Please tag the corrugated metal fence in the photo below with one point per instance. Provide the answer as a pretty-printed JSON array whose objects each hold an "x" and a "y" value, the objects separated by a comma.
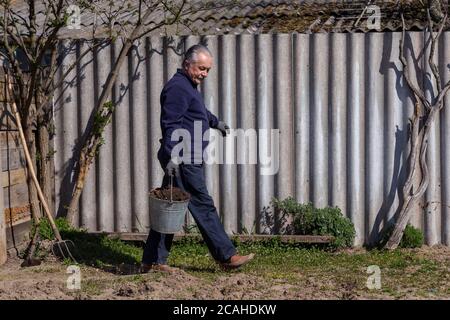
[{"x": 339, "y": 101}]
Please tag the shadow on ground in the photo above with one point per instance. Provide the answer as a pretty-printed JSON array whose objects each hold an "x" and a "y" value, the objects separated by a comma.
[{"x": 100, "y": 251}]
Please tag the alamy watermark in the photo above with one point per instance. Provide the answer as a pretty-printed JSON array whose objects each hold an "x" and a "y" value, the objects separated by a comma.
[
  {"x": 374, "y": 19},
  {"x": 374, "y": 280},
  {"x": 74, "y": 280},
  {"x": 74, "y": 20},
  {"x": 373, "y": 15},
  {"x": 250, "y": 146}
]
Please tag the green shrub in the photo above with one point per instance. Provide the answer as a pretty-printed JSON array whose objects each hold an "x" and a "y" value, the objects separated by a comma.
[
  {"x": 45, "y": 229},
  {"x": 412, "y": 238},
  {"x": 308, "y": 220}
]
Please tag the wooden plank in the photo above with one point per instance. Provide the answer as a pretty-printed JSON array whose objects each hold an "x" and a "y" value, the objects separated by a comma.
[
  {"x": 131, "y": 236},
  {"x": 16, "y": 214},
  {"x": 3, "y": 241},
  {"x": 12, "y": 156},
  {"x": 284, "y": 238},
  {"x": 10, "y": 139},
  {"x": 13, "y": 159},
  {"x": 2, "y": 92},
  {"x": 18, "y": 234},
  {"x": 3, "y": 246},
  {"x": 13, "y": 177},
  {"x": 16, "y": 196},
  {"x": 6, "y": 119}
]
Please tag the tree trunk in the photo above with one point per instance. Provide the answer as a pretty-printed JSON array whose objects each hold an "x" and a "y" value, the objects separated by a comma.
[
  {"x": 400, "y": 225},
  {"x": 90, "y": 144},
  {"x": 418, "y": 159},
  {"x": 45, "y": 176},
  {"x": 3, "y": 253},
  {"x": 81, "y": 177},
  {"x": 34, "y": 199}
]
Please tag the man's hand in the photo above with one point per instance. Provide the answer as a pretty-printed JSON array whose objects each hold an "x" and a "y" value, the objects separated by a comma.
[
  {"x": 223, "y": 127},
  {"x": 173, "y": 168}
]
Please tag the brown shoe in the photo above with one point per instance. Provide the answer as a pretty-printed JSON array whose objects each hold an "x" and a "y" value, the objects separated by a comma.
[
  {"x": 236, "y": 261},
  {"x": 145, "y": 268}
]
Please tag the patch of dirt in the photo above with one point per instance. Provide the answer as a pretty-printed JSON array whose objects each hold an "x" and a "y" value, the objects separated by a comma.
[
  {"x": 164, "y": 194},
  {"x": 438, "y": 253},
  {"x": 49, "y": 281}
]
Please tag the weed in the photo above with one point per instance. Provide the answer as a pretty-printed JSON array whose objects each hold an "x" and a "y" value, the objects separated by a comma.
[
  {"x": 403, "y": 271},
  {"x": 412, "y": 237},
  {"x": 46, "y": 231},
  {"x": 92, "y": 286},
  {"x": 309, "y": 220},
  {"x": 90, "y": 249}
]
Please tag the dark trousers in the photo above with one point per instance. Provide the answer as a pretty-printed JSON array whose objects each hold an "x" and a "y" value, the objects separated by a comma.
[{"x": 201, "y": 206}]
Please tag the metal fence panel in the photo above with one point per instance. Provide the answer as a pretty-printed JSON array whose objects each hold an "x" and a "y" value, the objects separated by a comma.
[{"x": 339, "y": 102}]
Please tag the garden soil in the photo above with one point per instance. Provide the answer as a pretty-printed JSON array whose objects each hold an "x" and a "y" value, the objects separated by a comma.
[
  {"x": 164, "y": 194},
  {"x": 49, "y": 281}
]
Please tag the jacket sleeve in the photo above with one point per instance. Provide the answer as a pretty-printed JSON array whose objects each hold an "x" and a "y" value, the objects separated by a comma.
[
  {"x": 212, "y": 119},
  {"x": 174, "y": 104}
]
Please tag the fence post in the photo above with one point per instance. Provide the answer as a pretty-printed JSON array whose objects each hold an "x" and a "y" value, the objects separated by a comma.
[
  {"x": 2, "y": 214},
  {"x": 2, "y": 222}
]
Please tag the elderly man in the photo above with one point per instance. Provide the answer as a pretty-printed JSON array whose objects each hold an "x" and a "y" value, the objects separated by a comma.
[{"x": 183, "y": 108}]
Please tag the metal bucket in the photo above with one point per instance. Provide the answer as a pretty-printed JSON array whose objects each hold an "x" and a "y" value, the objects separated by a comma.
[{"x": 167, "y": 216}]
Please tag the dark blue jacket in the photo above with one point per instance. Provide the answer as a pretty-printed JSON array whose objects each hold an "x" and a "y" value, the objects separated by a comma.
[{"x": 181, "y": 105}]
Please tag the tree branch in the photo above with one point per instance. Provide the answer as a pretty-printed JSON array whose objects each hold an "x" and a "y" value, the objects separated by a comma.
[
  {"x": 18, "y": 38},
  {"x": 44, "y": 26},
  {"x": 52, "y": 68},
  {"x": 433, "y": 66},
  {"x": 18, "y": 74},
  {"x": 418, "y": 95},
  {"x": 442, "y": 94},
  {"x": 51, "y": 88},
  {"x": 32, "y": 29},
  {"x": 49, "y": 42},
  {"x": 414, "y": 149}
]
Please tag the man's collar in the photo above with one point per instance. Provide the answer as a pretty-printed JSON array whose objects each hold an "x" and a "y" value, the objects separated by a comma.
[{"x": 181, "y": 71}]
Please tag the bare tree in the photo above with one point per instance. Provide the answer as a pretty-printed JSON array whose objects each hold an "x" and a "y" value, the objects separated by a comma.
[
  {"x": 174, "y": 13},
  {"x": 29, "y": 47},
  {"x": 30, "y": 39},
  {"x": 25, "y": 48},
  {"x": 425, "y": 113}
]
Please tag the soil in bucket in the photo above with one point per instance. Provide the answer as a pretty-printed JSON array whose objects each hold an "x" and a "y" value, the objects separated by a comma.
[{"x": 164, "y": 194}]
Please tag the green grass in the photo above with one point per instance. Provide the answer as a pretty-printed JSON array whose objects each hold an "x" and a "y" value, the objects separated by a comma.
[
  {"x": 101, "y": 251},
  {"x": 294, "y": 264},
  {"x": 95, "y": 250},
  {"x": 92, "y": 286},
  {"x": 401, "y": 269}
]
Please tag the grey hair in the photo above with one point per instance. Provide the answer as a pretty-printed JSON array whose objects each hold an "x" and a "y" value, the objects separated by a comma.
[{"x": 192, "y": 52}]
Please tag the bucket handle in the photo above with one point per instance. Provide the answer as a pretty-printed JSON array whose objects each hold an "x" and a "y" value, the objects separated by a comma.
[{"x": 171, "y": 187}]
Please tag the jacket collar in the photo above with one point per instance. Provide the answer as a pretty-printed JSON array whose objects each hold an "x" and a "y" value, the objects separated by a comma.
[{"x": 182, "y": 73}]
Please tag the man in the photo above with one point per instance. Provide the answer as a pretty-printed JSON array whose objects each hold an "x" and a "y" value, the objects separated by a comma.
[{"x": 183, "y": 108}]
